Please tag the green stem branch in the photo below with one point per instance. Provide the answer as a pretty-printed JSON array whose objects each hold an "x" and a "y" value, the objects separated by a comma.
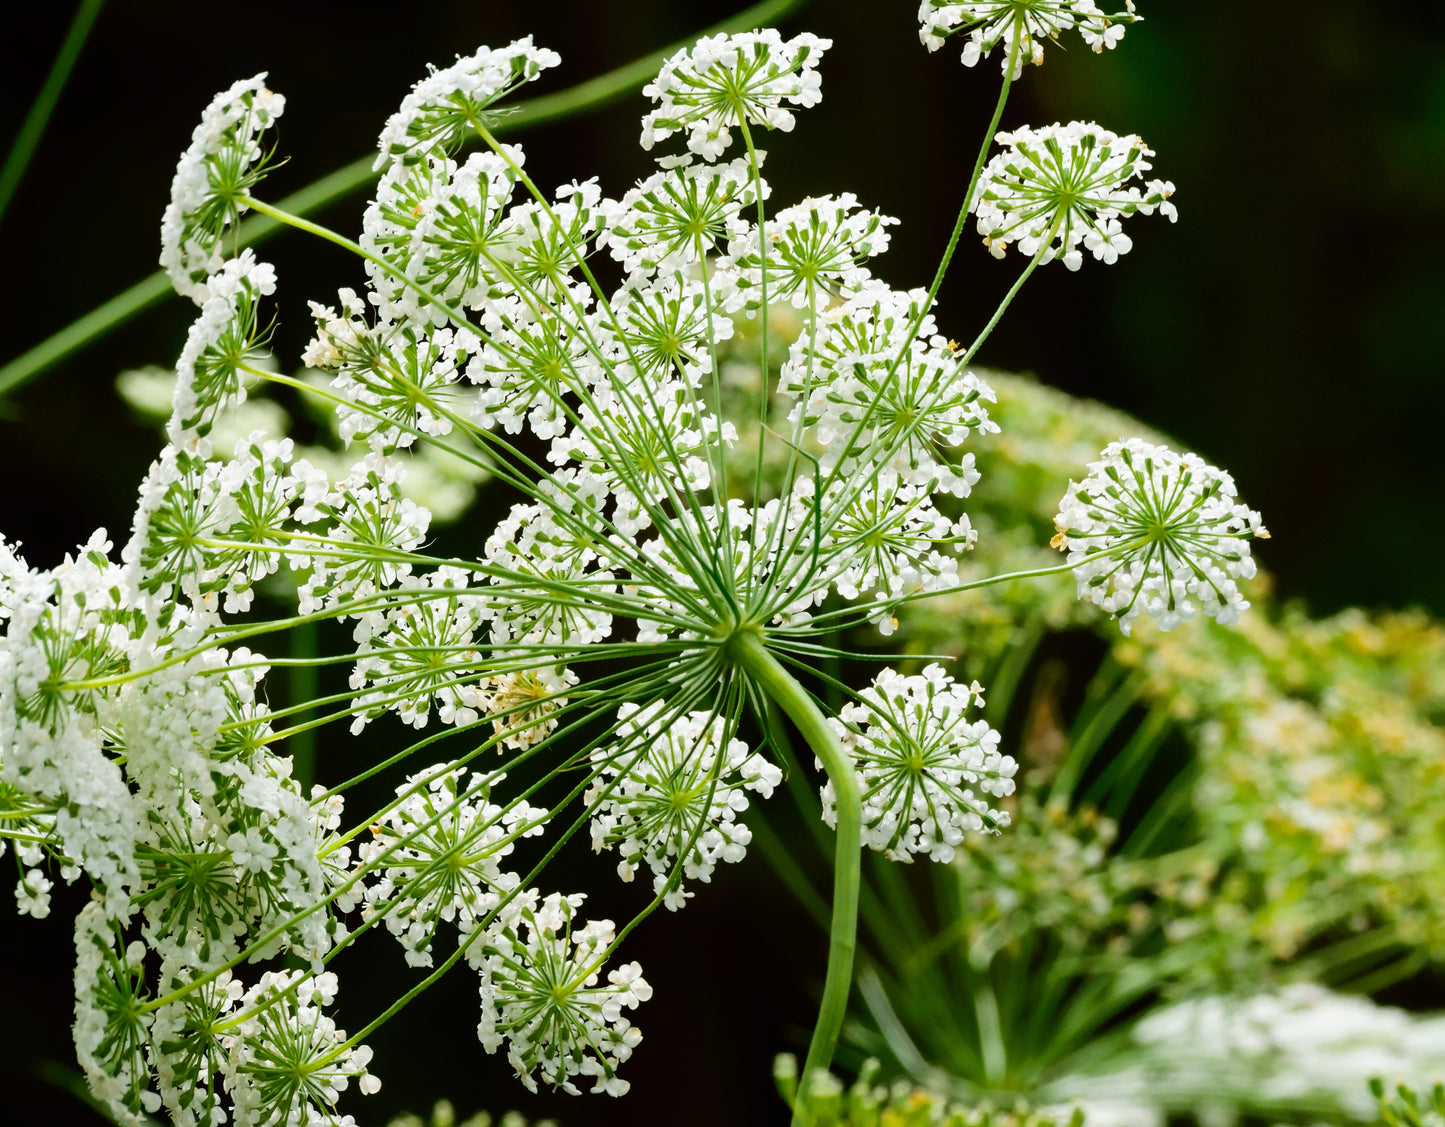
[
  {"x": 1009, "y": 297},
  {"x": 963, "y": 211}
]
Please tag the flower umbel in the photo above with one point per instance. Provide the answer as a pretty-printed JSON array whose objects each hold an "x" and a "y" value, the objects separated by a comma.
[
  {"x": 541, "y": 995},
  {"x": 224, "y": 162},
  {"x": 1059, "y": 186},
  {"x": 1157, "y": 531},
  {"x": 730, "y": 79},
  {"x": 442, "y": 109},
  {"x": 1021, "y": 26},
  {"x": 677, "y": 795},
  {"x": 604, "y": 650},
  {"x": 918, "y": 756}
]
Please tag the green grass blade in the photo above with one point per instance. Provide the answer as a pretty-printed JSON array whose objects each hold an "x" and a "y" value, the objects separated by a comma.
[{"x": 33, "y": 128}]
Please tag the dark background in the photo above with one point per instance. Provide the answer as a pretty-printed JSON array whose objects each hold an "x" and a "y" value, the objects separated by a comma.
[{"x": 1291, "y": 327}]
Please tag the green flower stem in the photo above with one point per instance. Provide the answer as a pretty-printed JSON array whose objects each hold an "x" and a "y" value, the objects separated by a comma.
[
  {"x": 20, "y": 835},
  {"x": 27, "y": 812},
  {"x": 963, "y": 211},
  {"x": 846, "y": 613},
  {"x": 36, "y": 120},
  {"x": 1009, "y": 297},
  {"x": 585, "y": 96},
  {"x": 281, "y": 215},
  {"x": 747, "y": 649},
  {"x": 304, "y": 684}
]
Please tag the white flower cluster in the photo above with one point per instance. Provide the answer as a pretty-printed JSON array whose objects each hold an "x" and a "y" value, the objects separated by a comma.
[
  {"x": 672, "y": 790},
  {"x": 542, "y": 996},
  {"x": 1021, "y": 26},
  {"x": 363, "y": 529},
  {"x": 443, "y": 108},
  {"x": 727, "y": 80},
  {"x": 224, "y": 162},
  {"x": 227, "y": 338},
  {"x": 437, "y": 855},
  {"x": 290, "y": 1063},
  {"x": 1057, "y": 187},
  {"x": 677, "y": 218},
  {"x": 203, "y": 529},
  {"x": 1264, "y": 1052},
  {"x": 815, "y": 253},
  {"x": 421, "y": 654},
  {"x": 397, "y": 382},
  {"x": 272, "y": 1049},
  {"x": 66, "y": 626},
  {"x": 201, "y": 843},
  {"x": 867, "y": 378},
  {"x": 917, "y": 757},
  {"x": 1155, "y": 531}
]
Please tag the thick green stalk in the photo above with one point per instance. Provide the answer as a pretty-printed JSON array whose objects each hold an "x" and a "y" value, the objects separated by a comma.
[
  {"x": 747, "y": 649},
  {"x": 585, "y": 96}
]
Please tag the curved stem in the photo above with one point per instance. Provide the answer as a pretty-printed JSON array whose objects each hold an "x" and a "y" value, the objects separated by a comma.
[{"x": 747, "y": 649}]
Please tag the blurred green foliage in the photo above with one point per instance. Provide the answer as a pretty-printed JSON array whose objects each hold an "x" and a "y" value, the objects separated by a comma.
[
  {"x": 443, "y": 1114},
  {"x": 865, "y": 1103},
  {"x": 1402, "y": 1106}
]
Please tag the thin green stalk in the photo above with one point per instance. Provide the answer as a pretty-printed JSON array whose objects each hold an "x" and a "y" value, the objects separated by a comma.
[
  {"x": 764, "y": 360},
  {"x": 33, "y": 128},
  {"x": 1009, "y": 297},
  {"x": 972, "y": 187},
  {"x": 305, "y": 686},
  {"x": 862, "y": 611},
  {"x": 747, "y": 649},
  {"x": 963, "y": 211},
  {"x": 585, "y": 96}
]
